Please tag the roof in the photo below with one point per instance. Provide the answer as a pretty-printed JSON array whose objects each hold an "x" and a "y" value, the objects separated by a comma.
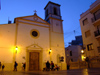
[
  {"x": 51, "y": 3},
  {"x": 24, "y": 17}
]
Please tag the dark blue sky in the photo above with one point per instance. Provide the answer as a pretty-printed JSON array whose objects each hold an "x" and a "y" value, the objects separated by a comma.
[{"x": 70, "y": 11}]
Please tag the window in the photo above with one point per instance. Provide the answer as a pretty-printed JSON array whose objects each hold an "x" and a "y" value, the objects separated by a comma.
[
  {"x": 98, "y": 27},
  {"x": 70, "y": 53},
  {"x": 98, "y": 49},
  {"x": 55, "y": 11},
  {"x": 71, "y": 60},
  {"x": 90, "y": 47},
  {"x": 34, "y": 33},
  {"x": 85, "y": 21},
  {"x": 46, "y": 12},
  {"x": 87, "y": 33},
  {"x": 57, "y": 24},
  {"x": 97, "y": 15}
]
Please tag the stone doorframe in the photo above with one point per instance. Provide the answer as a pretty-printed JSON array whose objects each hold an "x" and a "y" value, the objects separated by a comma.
[{"x": 34, "y": 48}]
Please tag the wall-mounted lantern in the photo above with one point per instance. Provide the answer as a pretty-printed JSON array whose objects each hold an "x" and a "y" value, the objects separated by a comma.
[
  {"x": 16, "y": 49},
  {"x": 50, "y": 51}
]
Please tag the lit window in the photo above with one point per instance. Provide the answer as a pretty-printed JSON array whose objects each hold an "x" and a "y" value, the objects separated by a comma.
[{"x": 90, "y": 46}]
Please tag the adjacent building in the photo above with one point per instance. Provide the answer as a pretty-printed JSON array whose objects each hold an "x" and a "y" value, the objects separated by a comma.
[
  {"x": 33, "y": 41},
  {"x": 90, "y": 27},
  {"x": 78, "y": 41},
  {"x": 73, "y": 51}
]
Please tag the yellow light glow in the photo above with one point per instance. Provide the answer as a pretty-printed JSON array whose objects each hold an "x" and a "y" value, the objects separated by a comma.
[
  {"x": 83, "y": 58},
  {"x": 82, "y": 51},
  {"x": 16, "y": 48},
  {"x": 50, "y": 51}
]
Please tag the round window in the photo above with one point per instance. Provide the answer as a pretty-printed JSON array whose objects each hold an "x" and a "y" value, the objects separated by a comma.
[{"x": 34, "y": 33}]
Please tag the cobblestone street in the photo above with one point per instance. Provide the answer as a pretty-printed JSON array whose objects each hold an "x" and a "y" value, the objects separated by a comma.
[{"x": 95, "y": 71}]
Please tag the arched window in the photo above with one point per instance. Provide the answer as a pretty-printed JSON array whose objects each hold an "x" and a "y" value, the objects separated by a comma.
[
  {"x": 46, "y": 12},
  {"x": 55, "y": 11}
]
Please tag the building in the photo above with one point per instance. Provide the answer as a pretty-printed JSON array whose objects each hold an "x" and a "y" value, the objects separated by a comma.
[
  {"x": 78, "y": 41},
  {"x": 33, "y": 41},
  {"x": 73, "y": 51},
  {"x": 90, "y": 27}
]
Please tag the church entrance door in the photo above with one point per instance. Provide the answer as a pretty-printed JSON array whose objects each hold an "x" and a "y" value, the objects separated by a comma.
[{"x": 33, "y": 61}]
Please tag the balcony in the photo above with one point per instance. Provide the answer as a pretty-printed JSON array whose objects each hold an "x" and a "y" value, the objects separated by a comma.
[
  {"x": 97, "y": 33},
  {"x": 96, "y": 20}
]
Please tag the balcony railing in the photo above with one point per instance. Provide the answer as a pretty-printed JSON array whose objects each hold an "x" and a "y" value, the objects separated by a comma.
[
  {"x": 97, "y": 33},
  {"x": 95, "y": 18}
]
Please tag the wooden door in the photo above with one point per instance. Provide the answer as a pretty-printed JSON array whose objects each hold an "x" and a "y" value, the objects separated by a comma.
[{"x": 33, "y": 61}]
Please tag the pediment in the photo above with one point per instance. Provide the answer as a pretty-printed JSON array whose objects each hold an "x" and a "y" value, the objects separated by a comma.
[
  {"x": 33, "y": 18},
  {"x": 34, "y": 46}
]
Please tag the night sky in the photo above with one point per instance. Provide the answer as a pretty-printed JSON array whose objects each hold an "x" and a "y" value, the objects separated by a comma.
[{"x": 70, "y": 12}]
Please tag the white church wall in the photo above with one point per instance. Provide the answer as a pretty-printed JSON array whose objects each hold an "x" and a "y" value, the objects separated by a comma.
[
  {"x": 31, "y": 18},
  {"x": 7, "y": 32},
  {"x": 7, "y": 41},
  {"x": 36, "y": 23},
  {"x": 54, "y": 57},
  {"x": 57, "y": 40},
  {"x": 25, "y": 39},
  {"x": 57, "y": 26}
]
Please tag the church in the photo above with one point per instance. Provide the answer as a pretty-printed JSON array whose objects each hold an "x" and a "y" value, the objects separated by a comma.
[{"x": 33, "y": 40}]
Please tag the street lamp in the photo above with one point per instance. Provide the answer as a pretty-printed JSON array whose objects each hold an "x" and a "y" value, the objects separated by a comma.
[{"x": 82, "y": 51}]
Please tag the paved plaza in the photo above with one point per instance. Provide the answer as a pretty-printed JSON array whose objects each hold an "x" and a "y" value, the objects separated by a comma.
[{"x": 95, "y": 71}]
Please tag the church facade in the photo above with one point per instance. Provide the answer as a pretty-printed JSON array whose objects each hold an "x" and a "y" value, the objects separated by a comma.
[{"x": 33, "y": 41}]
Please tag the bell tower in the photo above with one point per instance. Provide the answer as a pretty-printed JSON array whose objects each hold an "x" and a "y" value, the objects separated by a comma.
[
  {"x": 52, "y": 10},
  {"x": 53, "y": 16}
]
